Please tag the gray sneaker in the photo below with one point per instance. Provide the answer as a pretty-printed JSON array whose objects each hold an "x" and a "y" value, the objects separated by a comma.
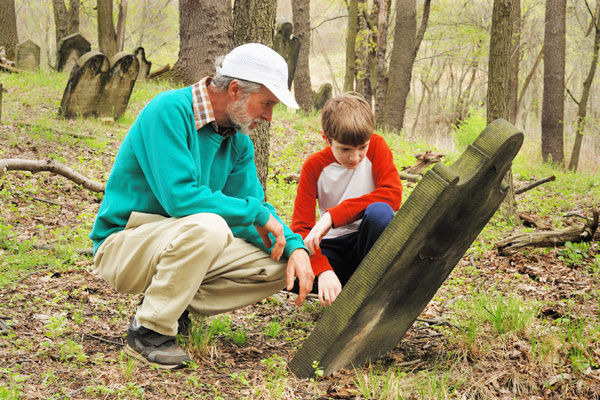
[{"x": 153, "y": 348}]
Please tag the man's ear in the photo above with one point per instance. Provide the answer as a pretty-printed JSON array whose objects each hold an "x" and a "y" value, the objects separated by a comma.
[{"x": 234, "y": 90}]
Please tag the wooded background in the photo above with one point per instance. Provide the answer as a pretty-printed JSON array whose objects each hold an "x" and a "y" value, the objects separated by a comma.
[{"x": 442, "y": 54}]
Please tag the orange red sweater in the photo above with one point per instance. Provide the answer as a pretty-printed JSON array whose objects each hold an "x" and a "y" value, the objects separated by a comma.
[{"x": 344, "y": 193}]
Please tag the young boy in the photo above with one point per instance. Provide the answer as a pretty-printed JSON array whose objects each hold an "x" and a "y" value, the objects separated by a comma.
[{"x": 358, "y": 189}]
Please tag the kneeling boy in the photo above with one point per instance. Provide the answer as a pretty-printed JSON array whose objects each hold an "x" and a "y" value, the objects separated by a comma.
[{"x": 358, "y": 189}]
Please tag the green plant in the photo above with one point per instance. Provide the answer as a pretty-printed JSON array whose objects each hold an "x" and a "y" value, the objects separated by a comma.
[
  {"x": 200, "y": 338},
  {"x": 220, "y": 325},
  {"x": 273, "y": 329},
  {"x": 505, "y": 313},
  {"x": 239, "y": 337},
  {"x": 71, "y": 351},
  {"x": 373, "y": 383},
  {"x": 127, "y": 365},
  {"x": 573, "y": 254},
  {"x": 466, "y": 132},
  {"x": 275, "y": 375},
  {"x": 57, "y": 325}
]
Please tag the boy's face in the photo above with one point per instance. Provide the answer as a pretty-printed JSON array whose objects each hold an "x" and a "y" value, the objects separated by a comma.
[{"x": 348, "y": 156}]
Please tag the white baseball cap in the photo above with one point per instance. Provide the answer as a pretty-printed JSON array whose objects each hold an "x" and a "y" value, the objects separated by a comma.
[{"x": 258, "y": 63}]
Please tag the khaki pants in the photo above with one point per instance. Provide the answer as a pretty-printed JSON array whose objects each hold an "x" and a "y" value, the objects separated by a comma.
[{"x": 192, "y": 263}]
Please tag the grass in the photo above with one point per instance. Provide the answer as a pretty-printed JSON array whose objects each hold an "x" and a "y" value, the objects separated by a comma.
[{"x": 517, "y": 327}]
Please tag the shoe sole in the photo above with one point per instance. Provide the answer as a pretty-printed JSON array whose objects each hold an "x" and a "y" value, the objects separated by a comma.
[{"x": 130, "y": 351}]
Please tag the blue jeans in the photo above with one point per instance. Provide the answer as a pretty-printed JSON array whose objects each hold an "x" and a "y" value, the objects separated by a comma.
[{"x": 345, "y": 253}]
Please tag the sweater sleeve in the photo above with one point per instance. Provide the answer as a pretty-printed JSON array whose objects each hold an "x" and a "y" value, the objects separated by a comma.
[
  {"x": 388, "y": 187},
  {"x": 304, "y": 215}
]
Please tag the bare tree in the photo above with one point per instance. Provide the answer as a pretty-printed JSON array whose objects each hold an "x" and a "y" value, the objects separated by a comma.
[
  {"x": 66, "y": 22},
  {"x": 254, "y": 21},
  {"x": 583, "y": 102},
  {"x": 553, "y": 106},
  {"x": 498, "y": 95},
  {"x": 406, "y": 46},
  {"x": 380, "y": 71},
  {"x": 110, "y": 40},
  {"x": 351, "y": 45},
  {"x": 515, "y": 58},
  {"x": 302, "y": 84},
  {"x": 8, "y": 28},
  {"x": 204, "y": 34}
]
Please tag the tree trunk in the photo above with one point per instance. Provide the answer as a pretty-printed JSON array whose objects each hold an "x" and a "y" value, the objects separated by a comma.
[
  {"x": 302, "y": 85},
  {"x": 362, "y": 49},
  {"x": 515, "y": 58},
  {"x": 380, "y": 71},
  {"x": 204, "y": 35},
  {"x": 406, "y": 46},
  {"x": 8, "y": 28},
  {"x": 554, "y": 82},
  {"x": 107, "y": 37},
  {"x": 351, "y": 45},
  {"x": 498, "y": 95},
  {"x": 582, "y": 105},
  {"x": 66, "y": 22},
  {"x": 121, "y": 25},
  {"x": 254, "y": 21}
]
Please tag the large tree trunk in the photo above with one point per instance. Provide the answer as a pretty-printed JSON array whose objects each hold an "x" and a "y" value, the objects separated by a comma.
[
  {"x": 351, "y": 45},
  {"x": 515, "y": 58},
  {"x": 254, "y": 21},
  {"x": 107, "y": 37},
  {"x": 8, "y": 28},
  {"x": 380, "y": 71},
  {"x": 302, "y": 85},
  {"x": 363, "y": 52},
  {"x": 204, "y": 34},
  {"x": 121, "y": 25},
  {"x": 406, "y": 46},
  {"x": 582, "y": 105},
  {"x": 66, "y": 22},
  {"x": 554, "y": 82},
  {"x": 498, "y": 95}
]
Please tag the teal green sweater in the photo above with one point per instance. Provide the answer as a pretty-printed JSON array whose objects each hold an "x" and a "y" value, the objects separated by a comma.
[{"x": 165, "y": 166}]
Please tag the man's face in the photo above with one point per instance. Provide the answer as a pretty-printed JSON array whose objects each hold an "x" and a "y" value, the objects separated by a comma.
[
  {"x": 349, "y": 156},
  {"x": 249, "y": 109}
]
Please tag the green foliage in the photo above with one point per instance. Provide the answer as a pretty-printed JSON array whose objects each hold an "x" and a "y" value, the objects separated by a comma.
[
  {"x": 273, "y": 329},
  {"x": 574, "y": 253},
  {"x": 375, "y": 383},
  {"x": 506, "y": 313},
  {"x": 275, "y": 375},
  {"x": 467, "y": 131}
]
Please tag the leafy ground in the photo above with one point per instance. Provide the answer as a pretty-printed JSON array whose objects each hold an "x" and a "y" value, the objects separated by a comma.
[{"x": 524, "y": 327}]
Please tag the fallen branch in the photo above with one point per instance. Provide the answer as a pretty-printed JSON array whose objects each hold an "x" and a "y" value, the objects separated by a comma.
[
  {"x": 574, "y": 234},
  {"x": 8, "y": 68},
  {"x": 17, "y": 164},
  {"x": 410, "y": 177},
  {"x": 423, "y": 161},
  {"x": 535, "y": 184}
]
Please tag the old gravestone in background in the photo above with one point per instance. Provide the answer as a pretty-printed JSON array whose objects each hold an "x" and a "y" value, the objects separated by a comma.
[
  {"x": 288, "y": 46},
  {"x": 145, "y": 65},
  {"x": 413, "y": 256},
  {"x": 27, "y": 56},
  {"x": 322, "y": 95},
  {"x": 98, "y": 87},
  {"x": 70, "y": 48}
]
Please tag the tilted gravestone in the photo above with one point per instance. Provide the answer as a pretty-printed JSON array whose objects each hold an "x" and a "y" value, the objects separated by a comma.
[
  {"x": 322, "y": 95},
  {"x": 145, "y": 65},
  {"x": 288, "y": 46},
  {"x": 413, "y": 256},
  {"x": 27, "y": 56},
  {"x": 98, "y": 87},
  {"x": 70, "y": 48}
]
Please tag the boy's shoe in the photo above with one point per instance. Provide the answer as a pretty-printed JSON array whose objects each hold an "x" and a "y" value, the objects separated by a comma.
[
  {"x": 184, "y": 323},
  {"x": 153, "y": 348}
]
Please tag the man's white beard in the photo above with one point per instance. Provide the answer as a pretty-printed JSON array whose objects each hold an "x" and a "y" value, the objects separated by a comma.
[{"x": 239, "y": 117}]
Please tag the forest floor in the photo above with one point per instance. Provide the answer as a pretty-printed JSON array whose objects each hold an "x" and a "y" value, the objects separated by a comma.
[{"x": 511, "y": 327}]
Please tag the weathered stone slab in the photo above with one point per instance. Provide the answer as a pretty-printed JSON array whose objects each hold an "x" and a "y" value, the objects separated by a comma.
[
  {"x": 322, "y": 95},
  {"x": 70, "y": 48},
  {"x": 27, "y": 56},
  {"x": 145, "y": 65},
  {"x": 288, "y": 46},
  {"x": 414, "y": 255},
  {"x": 99, "y": 88}
]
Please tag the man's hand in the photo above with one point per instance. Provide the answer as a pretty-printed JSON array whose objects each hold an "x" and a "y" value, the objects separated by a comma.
[
  {"x": 313, "y": 240},
  {"x": 273, "y": 226},
  {"x": 329, "y": 287},
  {"x": 299, "y": 266}
]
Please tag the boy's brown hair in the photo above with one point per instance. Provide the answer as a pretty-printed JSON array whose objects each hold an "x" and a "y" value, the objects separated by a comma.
[{"x": 348, "y": 119}]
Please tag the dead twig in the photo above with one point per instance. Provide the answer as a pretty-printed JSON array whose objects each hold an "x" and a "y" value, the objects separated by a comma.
[
  {"x": 535, "y": 184},
  {"x": 103, "y": 340},
  {"x": 17, "y": 164}
]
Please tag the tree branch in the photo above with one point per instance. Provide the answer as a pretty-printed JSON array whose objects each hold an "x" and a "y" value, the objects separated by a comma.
[
  {"x": 535, "y": 184},
  {"x": 17, "y": 164}
]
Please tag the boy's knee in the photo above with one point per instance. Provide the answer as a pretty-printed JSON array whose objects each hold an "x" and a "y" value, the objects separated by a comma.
[{"x": 379, "y": 212}]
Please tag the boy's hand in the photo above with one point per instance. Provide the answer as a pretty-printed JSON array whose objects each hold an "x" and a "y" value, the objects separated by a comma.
[
  {"x": 273, "y": 226},
  {"x": 299, "y": 266},
  {"x": 314, "y": 237},
  {"x": 329, "y": 287}
]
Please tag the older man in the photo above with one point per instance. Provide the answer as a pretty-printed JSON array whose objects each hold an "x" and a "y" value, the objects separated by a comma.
[{"x": 183, "y": 219}]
